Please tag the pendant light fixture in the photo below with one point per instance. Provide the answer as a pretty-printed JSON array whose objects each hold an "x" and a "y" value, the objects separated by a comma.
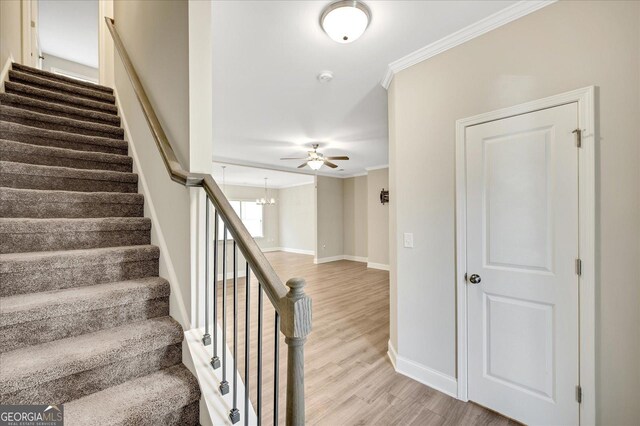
[
  {"x": 345, "y": 20},
  {"x": 265, "y": 201}
]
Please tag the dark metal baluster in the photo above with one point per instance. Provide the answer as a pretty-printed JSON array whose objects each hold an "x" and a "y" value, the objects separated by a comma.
[
  {"x": 259, "y": 408},
  {"x": 234, "y": 414},
  {"x": 247, "y": 342},
  {"x": 215, "y": 361},
  {"x": 276, "y": 378},
  {"x": 224, "y": 385},
  {"x": 206, "y": 339}
]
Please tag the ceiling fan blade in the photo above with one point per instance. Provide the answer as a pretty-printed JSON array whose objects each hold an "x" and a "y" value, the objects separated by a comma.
[
  {"x": 294, "y": 158},
  {"x": 330, "y": 164},
  {"x": 339, "y": 157},
  {"x": 302, "y": 165}
]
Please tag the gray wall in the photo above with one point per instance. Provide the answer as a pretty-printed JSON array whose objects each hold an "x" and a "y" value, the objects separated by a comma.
[
  {"x": 329, "y": 198},
  {"x": 51, "y": 61},
  {"x": 564, "y": 46},
  {"x": 297, "y": 219},
  {"x": 354, "y": 216},
  {"x": 161, "y": 60},
  {"x": 378, "y": 217}
]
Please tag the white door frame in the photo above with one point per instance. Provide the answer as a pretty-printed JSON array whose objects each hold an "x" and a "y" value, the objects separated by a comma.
[{"x": 587, "y": 231}]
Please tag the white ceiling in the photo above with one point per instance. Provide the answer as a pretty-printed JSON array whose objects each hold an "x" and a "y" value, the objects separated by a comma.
[
  {"x": 267, "y": 101},
  {"x": 250, "y": 176},
  {"x": 69, "y": 29}
]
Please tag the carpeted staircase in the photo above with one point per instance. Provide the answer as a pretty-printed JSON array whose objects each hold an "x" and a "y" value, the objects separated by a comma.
[{"x": 84, "y": 317}]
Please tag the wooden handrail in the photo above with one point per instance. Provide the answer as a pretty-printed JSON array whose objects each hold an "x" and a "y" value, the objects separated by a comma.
[{"x": 293, "y": 305}]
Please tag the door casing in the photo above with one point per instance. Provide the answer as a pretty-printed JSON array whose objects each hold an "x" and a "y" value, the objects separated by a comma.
[{"x": 585, "y": 98}]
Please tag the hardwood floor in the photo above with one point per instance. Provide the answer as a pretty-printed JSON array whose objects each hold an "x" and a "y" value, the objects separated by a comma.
[{"x": 349, "y": 379}]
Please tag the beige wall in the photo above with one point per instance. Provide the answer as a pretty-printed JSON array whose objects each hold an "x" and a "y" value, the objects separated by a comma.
[
  {"x": 378, "y": 217},
  {"x": 564, "y": 46},
  {"x": 10, "y": 31},
  {"x": 297, "y": 220},
  {"x": 77, "y": 69},
  {"x": 329, "y": 199},
  {"x": 354, "y": 217},
  {"x": 161, "y": 60}
]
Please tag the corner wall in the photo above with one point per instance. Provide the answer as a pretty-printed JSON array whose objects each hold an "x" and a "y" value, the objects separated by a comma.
[
  {"x": 355, "y": 218},
  {"x": 329, "y": 231},
  {"x": 378, "y": 219},
  {"x": 297, "y": 219},
  {"x": 561, "y": 47}
]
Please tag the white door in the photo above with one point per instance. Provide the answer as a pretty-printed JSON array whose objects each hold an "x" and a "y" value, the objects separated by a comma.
[{"x": 522, "y": 244}]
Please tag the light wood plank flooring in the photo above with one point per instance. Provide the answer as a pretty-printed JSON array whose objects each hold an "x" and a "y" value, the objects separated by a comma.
[{"x": 349, "y": 379}]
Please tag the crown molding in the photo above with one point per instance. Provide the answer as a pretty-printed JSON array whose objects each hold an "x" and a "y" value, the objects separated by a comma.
[
  {"x": 382, "y": 166},
  {"x": 491, "y": 22}
]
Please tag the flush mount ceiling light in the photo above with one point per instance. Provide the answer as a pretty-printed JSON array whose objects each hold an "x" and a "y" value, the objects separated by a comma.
[{"x": 346, "y": 20}]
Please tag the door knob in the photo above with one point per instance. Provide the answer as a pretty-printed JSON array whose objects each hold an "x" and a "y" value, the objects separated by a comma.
[{"x": 475, "y": 279}]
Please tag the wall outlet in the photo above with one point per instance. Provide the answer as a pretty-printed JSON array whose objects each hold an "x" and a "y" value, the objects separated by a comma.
[{"x": 408, "y": 240}]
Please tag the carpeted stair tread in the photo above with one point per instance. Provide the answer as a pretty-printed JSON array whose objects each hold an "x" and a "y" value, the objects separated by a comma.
[
  {"x": 59, "y": 97},
  {"x": 20, "y": 175},
  {"x": 49, "y": 304},
  {"x": 33, "y": 272},
  {"x": 39, "y": 136},
  {"x": 36, "y": 365},
  {"x": 28, "y": 234},
  {"x": 63, "y": 78},
  {"x": 20, "y": 152},
  {"x": 58, "y": 204},
  {"x": 60, "y": 86},
  {"x": 59, "y": 110},
  {"x": 48, "y": 260},
  {"x": 144, "y": 401},
  {"x": 52, "y": 122}
]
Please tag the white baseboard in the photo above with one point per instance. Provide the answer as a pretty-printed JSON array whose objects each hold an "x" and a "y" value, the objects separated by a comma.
[
  {"x": 350, "y": 258},
  {"x": 361, "y": 259},
  {"x": 270, "y": 249},
  {"x": 297, "y": 251},
  {"x": 4, "y": 74},
  {"x": 241, "y": 274},
  {"x": 380, "y": 266},
  {"x": 425, "y": 375}
]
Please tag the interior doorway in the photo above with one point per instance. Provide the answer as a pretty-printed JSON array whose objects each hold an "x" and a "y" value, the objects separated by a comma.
[{"x": 525, "y": 234}]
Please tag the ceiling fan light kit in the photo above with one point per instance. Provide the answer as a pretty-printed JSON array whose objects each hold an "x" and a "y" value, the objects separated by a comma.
[
  {"x": 345, "y": 21},
  {"x": 316, "y": 160}
]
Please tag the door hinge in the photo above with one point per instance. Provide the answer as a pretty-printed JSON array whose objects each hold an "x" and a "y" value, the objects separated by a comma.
[
  {"x": 578, "y": 133},
  {"x": 579, "y": 394},
  {"x": 578, "y": 267}
]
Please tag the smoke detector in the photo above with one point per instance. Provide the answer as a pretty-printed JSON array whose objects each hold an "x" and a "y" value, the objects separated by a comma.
[{"x": 325, "y": 76}]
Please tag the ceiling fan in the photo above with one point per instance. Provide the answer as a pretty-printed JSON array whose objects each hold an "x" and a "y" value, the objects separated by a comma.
[{"x": 315, "y": 160}]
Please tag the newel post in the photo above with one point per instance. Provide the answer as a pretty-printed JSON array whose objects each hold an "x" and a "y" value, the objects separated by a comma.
[{"x": 296, "y": 326}]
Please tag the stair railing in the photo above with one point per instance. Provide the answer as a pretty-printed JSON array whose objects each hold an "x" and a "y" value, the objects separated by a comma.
[{"x": 292, "y": 306}]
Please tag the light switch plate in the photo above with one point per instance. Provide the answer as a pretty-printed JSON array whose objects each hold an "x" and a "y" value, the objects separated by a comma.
[{"x": 408, "y": 240}]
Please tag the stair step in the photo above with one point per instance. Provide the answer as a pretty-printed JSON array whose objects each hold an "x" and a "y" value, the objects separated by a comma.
[
  {"x": 31, "y": 176},
  {"x": 53, "y": 122},
  {"x": 59, "y": 98},
  {"x": 36, "y": 203},
  {"x": 59, "y": 110},
  {"x": 62, "y": 78},
  {"x": 67, "y": 369},
  {"x": 60, "y": 139},
  {"x": 168, "y": 397},
  {"x": 34, "y": 272},
  {"x": 20, "y": 152},
  {"x": 59, "y": 86},
  {"x": 22, "y": 235},
  {"x": 35, "y": 318}
]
